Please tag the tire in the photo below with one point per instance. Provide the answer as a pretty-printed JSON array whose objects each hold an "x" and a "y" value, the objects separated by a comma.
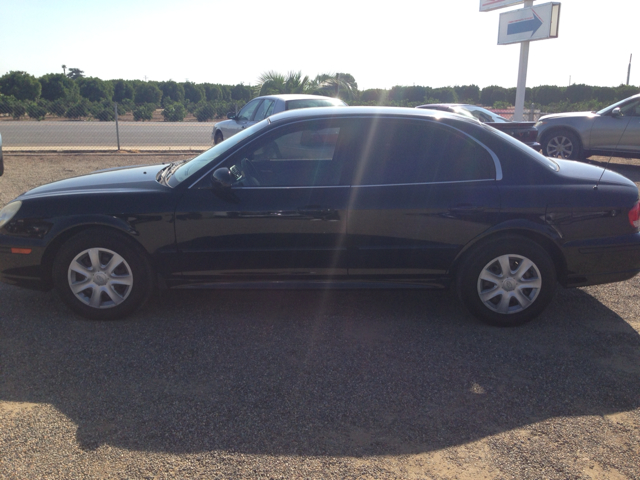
[
  {"x": 562, "y": 144},
  {"x": 514, "y": 299},
  {"x": 115, "y": 270},
  {"x": 217, "y": 138}
]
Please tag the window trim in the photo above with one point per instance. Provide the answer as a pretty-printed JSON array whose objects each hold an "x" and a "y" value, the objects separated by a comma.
[
  {"x": 425, "y": 183},
  {"x": 496, "y": 160}
]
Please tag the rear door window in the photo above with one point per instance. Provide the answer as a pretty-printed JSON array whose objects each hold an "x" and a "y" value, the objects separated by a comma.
[{"x": 398, "y": 151}]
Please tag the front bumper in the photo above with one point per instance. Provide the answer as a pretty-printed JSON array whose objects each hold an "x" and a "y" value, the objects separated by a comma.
[{"x": 23, "y": 270}]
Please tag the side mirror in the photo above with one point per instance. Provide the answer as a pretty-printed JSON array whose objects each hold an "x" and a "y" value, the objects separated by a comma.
[
  {"x": 222, "y": 179},
  {"x": 1, "y": 161},
  {"x": 231, "y": 115},
  {"x": 616, "y": 112}
]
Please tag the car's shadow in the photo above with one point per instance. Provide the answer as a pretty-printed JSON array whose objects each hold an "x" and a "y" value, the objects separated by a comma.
[{"x": 311, "y": 372}]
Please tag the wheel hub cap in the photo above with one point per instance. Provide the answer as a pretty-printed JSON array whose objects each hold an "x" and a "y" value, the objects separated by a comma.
[
  {"x": 100, "y": 278},
  {"x": 509, "y": 284}
]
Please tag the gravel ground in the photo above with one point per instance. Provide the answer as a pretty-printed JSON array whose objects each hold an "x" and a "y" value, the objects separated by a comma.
[{"x": 313, "y": 384}]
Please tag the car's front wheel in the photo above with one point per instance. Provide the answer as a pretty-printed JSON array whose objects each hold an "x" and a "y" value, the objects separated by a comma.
[
  {"x": 102, "y": 275},
  {"x": 562, "y": 144},
  {"x": 217, "y": 138},
  {"x": 508, "y": 282}
]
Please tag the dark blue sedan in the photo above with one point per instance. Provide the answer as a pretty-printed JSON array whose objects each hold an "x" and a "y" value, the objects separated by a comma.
[{"x": 322, "y": 197}]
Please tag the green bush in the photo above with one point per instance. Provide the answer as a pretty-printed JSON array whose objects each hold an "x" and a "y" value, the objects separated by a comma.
[
  {"x": 125, "y": 106},
  {"x": 143, "y": 112},
  {"x": 502, "y": 105},
  {"x": 77, "y": 110},
  {"x": 58, "y": 107},
  {"x": 94, "y": 89},
  {"x": 193, "y": 92},
  {"x": 174, "y": 112},
  {"x": 57, "y": 86},
  {"x": 36, "y": 111},
  {"x": 6, "y": 104},
  {"x": 147, "y": 92},
  {"x": 171, "y": 92},
  {"x": 204, "y": 112},
  {"x": 122, "y": 90},
  {"x": 21, "y": 85},
  {"x": 103, "y": 111},
  {"x": 18, "y": 110}
]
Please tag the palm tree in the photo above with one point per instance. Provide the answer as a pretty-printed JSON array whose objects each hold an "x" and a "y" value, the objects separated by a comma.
[
  {"x": 272, "y": 82},
  {"x": 341, "y": 85},
  {"x": 64, "y": 69}
]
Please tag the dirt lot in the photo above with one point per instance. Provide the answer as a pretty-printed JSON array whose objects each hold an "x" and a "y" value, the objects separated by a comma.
[{"x": 313, "y": 384}]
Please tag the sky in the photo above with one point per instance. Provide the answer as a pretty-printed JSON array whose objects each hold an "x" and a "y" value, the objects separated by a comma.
[{"x": 432, "y": 43}]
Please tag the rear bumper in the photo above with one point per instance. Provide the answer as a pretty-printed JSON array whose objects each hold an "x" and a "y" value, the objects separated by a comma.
[{"x": 602, "y": 260}]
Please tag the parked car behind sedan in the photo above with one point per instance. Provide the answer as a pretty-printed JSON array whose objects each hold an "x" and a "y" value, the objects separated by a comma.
[
  {"x": 262, "y": 107},
  {"x": 357, "y": 197},
  {"x": 523, "y": 131},
  {"x": 614, "y": 131}
]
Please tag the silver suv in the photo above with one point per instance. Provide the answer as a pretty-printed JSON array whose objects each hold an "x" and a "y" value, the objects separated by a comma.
[{"x": 614, "y": 130}]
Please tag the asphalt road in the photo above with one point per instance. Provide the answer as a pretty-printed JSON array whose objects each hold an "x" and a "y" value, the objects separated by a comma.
[
  {"x": 102, "y": 135},
  {"x": 315, "y": 384}
]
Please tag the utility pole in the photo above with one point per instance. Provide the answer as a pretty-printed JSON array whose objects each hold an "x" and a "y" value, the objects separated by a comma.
[{"x": 629, "y": 69}]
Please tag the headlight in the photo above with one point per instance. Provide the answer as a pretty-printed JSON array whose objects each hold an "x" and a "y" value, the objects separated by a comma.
[{"x": 8, "y": 212}]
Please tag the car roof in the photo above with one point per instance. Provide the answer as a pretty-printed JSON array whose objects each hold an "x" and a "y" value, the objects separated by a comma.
[
  {"x": 344, "y": 112},
  {"x": 447, "y": 105},
  {"x": 298, "y": 96}
]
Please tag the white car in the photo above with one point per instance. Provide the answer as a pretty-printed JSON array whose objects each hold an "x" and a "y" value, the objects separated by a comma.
[{"x": 262, "y": 107}]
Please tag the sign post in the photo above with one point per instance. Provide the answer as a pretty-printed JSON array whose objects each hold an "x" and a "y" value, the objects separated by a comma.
[
  {"x": 524, "y": 26},
  {"x": 522, "y": 71}
]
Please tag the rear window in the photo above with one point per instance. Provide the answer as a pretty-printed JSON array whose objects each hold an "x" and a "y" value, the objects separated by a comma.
[{"x": 311, "y": 102}]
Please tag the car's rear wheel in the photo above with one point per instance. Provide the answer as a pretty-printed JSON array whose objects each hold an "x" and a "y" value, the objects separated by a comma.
[
  {"x": 562, "y": 144},
  {"x": 217, "y": 138},
  {"x": 102, "y": 275},
  {"x": 508, "y": 282}
]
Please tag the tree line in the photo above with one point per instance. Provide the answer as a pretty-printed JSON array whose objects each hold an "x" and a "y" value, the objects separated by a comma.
[{"x": 73, "y": 95}]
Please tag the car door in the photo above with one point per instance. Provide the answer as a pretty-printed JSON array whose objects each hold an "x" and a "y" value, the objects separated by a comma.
[
  {"x": 617, "y": 132},
  {"x": 242, "y": 120},
  {"x": 284, "y": 216},
  {"x": 421, "y": 191},
  {"x": 630, "y": 141}
]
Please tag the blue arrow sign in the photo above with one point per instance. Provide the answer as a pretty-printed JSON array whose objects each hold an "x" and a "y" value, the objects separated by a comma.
[{"x": 525, "y": 26}]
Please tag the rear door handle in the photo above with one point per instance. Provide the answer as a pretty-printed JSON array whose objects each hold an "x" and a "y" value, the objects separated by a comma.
[{"x": 466, "y": 209}]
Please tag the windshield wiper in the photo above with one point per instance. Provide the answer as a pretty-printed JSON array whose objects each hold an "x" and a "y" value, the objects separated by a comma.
[{"x": 165, "y": 173}]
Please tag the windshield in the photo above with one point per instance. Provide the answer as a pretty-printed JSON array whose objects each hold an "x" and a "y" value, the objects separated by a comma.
[
  {"x": 608, "y": 109},
  {"x": 214, "y": 152},
  {"x": 479, "y": 113},
  {"x": 312, "y": 102}
]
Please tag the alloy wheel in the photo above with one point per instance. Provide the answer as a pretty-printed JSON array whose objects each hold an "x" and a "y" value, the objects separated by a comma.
[
  {"x": 100, "y": 278},
  {"x": 560, "y": 147},
  {"x": 509, "y": 284}
]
